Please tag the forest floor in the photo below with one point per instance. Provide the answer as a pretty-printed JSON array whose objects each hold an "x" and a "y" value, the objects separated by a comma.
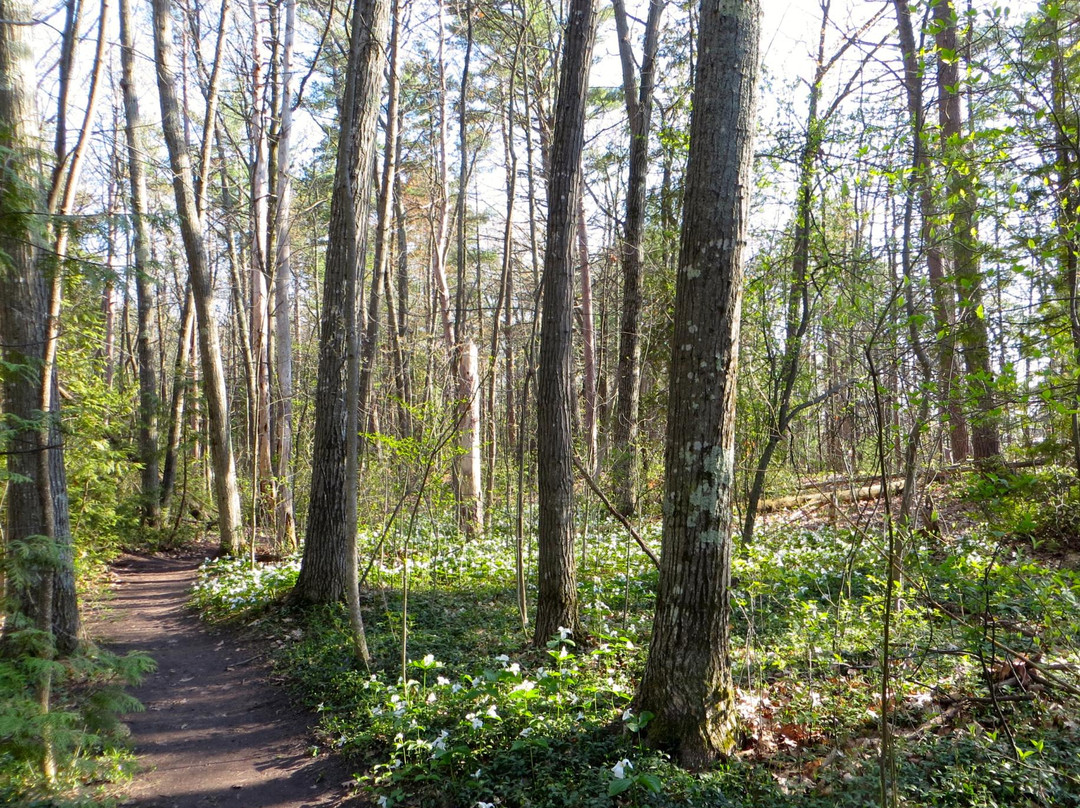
[{"x": 217, "y": 730}]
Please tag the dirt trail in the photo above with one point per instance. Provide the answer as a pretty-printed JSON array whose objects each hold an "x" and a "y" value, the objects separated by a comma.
[{"x": 216, "y": 731}]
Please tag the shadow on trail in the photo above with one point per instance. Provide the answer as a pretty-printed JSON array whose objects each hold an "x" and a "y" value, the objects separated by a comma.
[{"x": 215, "y": 730}]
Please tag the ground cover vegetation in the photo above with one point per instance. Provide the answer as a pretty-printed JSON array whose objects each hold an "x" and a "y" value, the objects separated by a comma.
[
  {"x": 635, "y": 406},
  {"x": 487, "y": 718}
]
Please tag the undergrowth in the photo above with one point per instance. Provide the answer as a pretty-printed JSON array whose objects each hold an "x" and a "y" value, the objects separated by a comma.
[
  {"x": 479, "y": 718},
  {"x": 87, "y": 739}
]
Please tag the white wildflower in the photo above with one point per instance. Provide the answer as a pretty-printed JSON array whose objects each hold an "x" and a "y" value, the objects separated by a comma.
[{"x": 619, "y": 769}]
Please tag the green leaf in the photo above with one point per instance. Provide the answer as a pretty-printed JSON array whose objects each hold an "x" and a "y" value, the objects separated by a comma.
[
  {"x": 651, "y": 782},
  {"x": 619, "y": 786}
]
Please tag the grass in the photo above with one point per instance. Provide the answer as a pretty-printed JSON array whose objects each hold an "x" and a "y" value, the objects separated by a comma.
[{"x": 479, "y": 718}]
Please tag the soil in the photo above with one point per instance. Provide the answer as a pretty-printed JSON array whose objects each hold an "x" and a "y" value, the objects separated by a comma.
[{"x": 217, "y": 730}]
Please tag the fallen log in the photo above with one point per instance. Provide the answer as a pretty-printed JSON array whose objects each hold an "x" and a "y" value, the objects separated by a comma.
[
  {"x": 830, "y": 483},
  {"x": 824, "y": 498}
]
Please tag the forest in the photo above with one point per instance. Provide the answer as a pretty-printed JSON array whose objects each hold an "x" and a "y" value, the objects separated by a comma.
[{"x": 590, "y": 404}]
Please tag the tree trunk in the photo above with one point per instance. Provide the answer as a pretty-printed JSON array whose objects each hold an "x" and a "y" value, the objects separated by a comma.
[
  {"x": 179, "y": 394},
  {"x": 217, "y": 406},
  {"x": 22, "y": 317},
  {"x": 329, "y": 546},
  {"x": 961, "y": 199},
  {"x": 259, "y": 256},
  {"x": 464, "y": 355},
  {"x": 285, "y": 518},
  {"x": 384, "y": 220},
  {"x": 588, "y": 339},
  {"x": 687, "y": 682},
  {"x": 144, "y": 287},
  {"x": 556, "y": 605},
  {"x": 921, "y": 180},
  {"x": 639, "y": 113}
]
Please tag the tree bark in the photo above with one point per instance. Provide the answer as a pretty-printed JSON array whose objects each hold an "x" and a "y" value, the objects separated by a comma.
[
  {"x": 639, "y": 103},
  {"x": 961, "y": 199},
  {"x": 285, "y": 518},
  {"x": 557, "y": 605},
  {"x": 588, "y": 339},
  {"x": 22, "y": 315},
  {"x": 384, "y": 220},
  {"x": 687, "y": 682},
  {"x": 144, "y": 286},
  {"x": 259, "y": 257},
  {"x": 217, "y": 406},
  {"x": 329, "y": 546}
]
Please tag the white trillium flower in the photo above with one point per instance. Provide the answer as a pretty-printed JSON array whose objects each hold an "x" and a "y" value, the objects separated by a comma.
[
  {"x": 491, "y": 712},
  {"x": 619, "y": 769},
  {"x": 564, "y": 632},
  {"x": 442, "y": 681}
]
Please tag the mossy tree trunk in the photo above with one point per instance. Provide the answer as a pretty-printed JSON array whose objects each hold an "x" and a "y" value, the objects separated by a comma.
[{"x": 687, "y": 682}]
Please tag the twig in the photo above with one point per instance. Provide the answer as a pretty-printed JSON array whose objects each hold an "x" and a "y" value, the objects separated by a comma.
[{"x": 615, "y": 512}]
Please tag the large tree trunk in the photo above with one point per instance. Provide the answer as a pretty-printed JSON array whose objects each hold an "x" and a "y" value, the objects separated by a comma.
[
  {"x": 259, "y": 256},
  {"x": 961, "y": 198},
  {"x": 1067, "y": 192},
  {"x": 384, "y": 220},
  {"x": 22, "y": 315},
  {"x": 556, "y": 605},
  {"x": 921, "y": 180},
  {"x": 330, "y": 542},
  {"x": 217, "y": 406},
  {"x": 37, "y": 499},
  {"x": 285, "y": 518},
  {"x": 687, "y": 682},
  {"x": 144, "y": 287},
  {"x": 639, "y": 102},
  {"x": 951, "y": 392},
  {"x": 464, "y": 353}
]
